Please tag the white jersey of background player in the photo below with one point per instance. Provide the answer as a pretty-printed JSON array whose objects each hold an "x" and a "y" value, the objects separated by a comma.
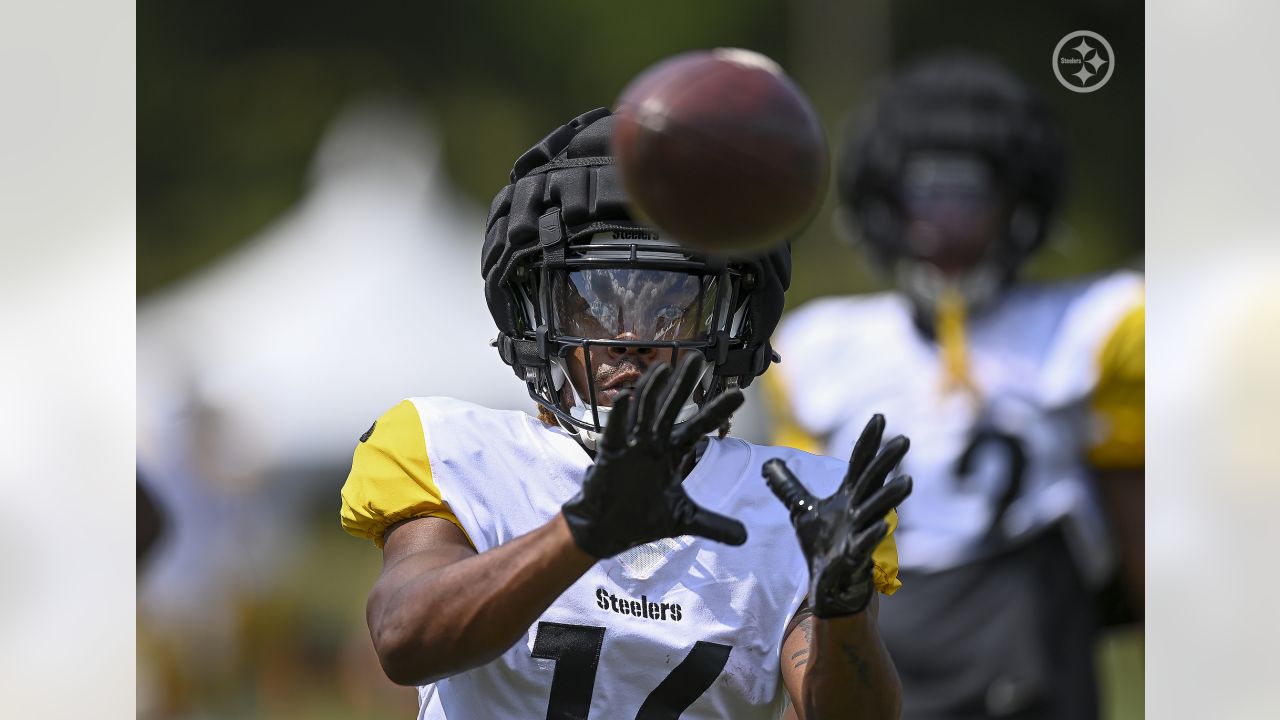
[
  {"x": 1024, "y": 402},
  {"x": 618, "y": 556},
  {"x": 1031, "y": 366}
]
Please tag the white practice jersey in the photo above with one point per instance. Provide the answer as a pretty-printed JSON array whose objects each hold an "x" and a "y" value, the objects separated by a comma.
[
  {"x": 685, "y": 627},
  {"x": 1034, "y": 361}
]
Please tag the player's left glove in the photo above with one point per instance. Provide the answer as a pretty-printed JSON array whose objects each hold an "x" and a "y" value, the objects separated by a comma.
[
  {"x": 838, "y": 534},
  {"x": 634, "y": 493}
]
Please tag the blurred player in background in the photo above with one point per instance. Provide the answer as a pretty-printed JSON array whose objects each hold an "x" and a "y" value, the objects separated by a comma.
[
  {"x": 1025, "y": 401},
  {"x": 618, "y": 555}
]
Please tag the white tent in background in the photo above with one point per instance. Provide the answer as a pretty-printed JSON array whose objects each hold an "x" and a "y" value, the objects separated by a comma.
[{"x": 367, "y": 292}]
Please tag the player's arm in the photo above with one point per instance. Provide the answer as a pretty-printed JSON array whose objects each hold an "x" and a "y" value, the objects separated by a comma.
[
  {"x": 439, "y": 607},
  {"x": 839, "y": 667},
  {"x": 834, "y": 663}
]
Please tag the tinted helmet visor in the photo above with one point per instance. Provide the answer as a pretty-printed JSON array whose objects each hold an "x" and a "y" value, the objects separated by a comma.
[{"x": 633, "y": 304}]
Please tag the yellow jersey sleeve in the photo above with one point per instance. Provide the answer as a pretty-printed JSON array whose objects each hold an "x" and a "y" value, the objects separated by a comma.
[
  {"x": 1119, "y": 400},
  {"x": 390, "y": 477}
]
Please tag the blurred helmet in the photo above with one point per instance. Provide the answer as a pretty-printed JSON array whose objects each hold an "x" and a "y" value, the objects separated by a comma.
[
  {"x": 952, "y": 178},
  {"x": 565, "y": 267}
]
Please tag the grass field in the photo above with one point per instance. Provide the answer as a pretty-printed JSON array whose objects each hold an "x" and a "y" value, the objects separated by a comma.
[{"x": 1121, "y": 664}]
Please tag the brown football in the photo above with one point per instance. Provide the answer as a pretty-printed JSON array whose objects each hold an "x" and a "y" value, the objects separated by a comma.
[{"x": 721, "y": 150}]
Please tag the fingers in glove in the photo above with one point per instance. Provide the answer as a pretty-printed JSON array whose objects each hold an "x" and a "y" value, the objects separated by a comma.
[
  {"x": 873, "y": 477},
  {"x": 714, "y": 526},
  {"x": 652, "y": 387},
  {"x": 861, "y": 546},
  {"x": 787, "y": 488},
  {"x": 864, "y": 451},
  {"x": 615, "y": 433},
  {"x": 884, "y": 499},
  {"x": 711, "y": 416},
  {"x": 687, "y": 377}
]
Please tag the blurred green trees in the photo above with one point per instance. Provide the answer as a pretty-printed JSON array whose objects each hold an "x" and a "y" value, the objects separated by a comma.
[{"x": 234, "y": 96}]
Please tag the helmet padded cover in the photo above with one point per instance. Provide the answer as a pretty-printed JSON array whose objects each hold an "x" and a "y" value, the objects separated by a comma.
[
  {"x": 560, "y": 172},
  {"x": 571, "y": 171},
  {"x": 955, "y": 103}
]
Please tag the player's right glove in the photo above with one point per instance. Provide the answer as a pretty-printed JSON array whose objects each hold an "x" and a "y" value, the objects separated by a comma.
[
  {"x": 838, "y": 534},
  {"x": 634, "y": 493}
]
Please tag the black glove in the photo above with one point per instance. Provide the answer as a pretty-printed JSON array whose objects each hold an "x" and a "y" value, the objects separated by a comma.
[
  {"x": 633, "y": 494},
  {"x": 839, "y": 534}
]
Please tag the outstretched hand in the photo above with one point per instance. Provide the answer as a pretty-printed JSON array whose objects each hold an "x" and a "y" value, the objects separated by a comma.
[
  {"x": 838, "y": 534},
  {"x": 634, "y": 493}
]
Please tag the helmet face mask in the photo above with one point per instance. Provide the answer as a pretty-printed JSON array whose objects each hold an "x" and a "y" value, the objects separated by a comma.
[
  {"x": 952, "y": 209},
  {"x": 955, "y": 219},
  {"x": 632, "y": 303},
  {"x": 616, "y": 305},
  {"x": 573, "y": 282}
]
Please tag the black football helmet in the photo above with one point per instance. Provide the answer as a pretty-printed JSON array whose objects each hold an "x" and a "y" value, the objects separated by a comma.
[
  {"x": 566, "y": 267},
  {"x": 953, "y": 177}
]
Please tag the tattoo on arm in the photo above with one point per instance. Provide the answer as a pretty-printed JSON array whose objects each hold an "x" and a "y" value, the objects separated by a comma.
[
  {"x": 860, "y": 664},
  {"x": 803, "y": 619},
  {"x": 803, "y": 616},
  {"x": 801, "y": 657}
]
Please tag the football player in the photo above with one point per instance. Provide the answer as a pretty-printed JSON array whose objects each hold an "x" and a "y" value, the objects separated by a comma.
[
  {"x": 1025, "y": 400},
  {"x": 620, "y": 556}
]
